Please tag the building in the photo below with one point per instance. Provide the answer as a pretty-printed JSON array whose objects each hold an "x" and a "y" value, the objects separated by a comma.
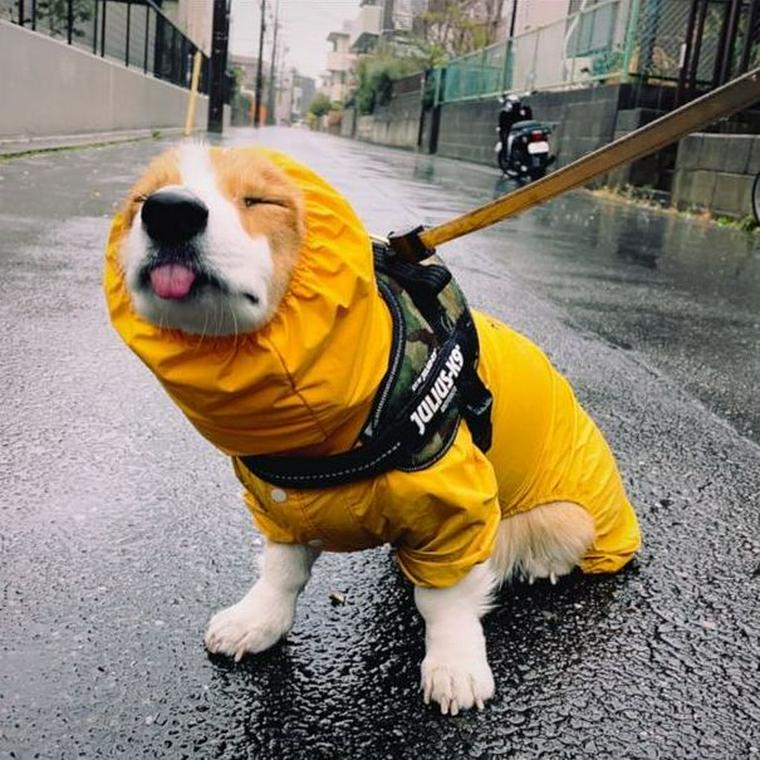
[
  {"x": 193, "y": 18},
  {"x": 248, "y": 64},
  {"x": 340, "y": 61},
  {"x": 400, "y": 14},
  {"x": 531, "y": 14},
  {"x": 243, "y": 106},
  {"x": 304, "y": 90},
  {"x": 294, "y": 95},
  {"x": 391, "y": 20},
  {"x": 367, "y": 27}
]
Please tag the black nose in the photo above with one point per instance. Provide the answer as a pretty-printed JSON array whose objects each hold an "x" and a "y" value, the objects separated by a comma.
[{"x": 173, "y": 215}]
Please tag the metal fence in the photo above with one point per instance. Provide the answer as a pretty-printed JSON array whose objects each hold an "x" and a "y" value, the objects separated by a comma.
[
  {"x": 662, "y": 29},
  {"x": 589, "y": 45},
  {"x": 646, "y": 41},
  {"x": 133, "y": 32}
]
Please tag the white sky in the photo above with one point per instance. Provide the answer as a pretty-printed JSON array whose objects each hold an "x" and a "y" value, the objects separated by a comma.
[{"x": 304, "y": 26}]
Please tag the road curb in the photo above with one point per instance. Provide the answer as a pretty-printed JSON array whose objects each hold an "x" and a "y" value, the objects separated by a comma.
[{"x": 17, "y": 148}]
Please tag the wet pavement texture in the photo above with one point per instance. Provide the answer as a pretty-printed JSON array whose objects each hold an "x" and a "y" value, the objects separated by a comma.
[{"x": 122, "y": 530}]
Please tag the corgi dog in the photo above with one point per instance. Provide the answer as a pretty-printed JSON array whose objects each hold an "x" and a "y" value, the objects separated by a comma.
[{"x": 246, "y": 284}]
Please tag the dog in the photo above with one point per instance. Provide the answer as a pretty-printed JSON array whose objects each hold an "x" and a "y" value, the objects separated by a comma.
[{"x": 246, "y": 284}]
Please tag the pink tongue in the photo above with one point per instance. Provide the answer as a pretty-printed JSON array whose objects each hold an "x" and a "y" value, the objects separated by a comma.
[{"x": 171, "y": 280}]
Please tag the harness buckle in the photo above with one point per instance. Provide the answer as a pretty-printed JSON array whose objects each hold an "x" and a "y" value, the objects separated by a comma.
[
  {"x": 476, "y": 410},
  {"x": 408, "y": 246}
]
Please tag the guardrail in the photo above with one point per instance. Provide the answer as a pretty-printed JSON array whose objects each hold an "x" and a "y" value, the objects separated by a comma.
[{"x": 133, "y": 32}]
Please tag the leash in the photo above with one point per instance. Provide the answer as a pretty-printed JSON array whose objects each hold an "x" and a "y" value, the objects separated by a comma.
[{"x": 419, "y": 243}]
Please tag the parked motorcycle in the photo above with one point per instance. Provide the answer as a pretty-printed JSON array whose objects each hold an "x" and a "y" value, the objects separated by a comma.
[{"x": 523, "y": 147}]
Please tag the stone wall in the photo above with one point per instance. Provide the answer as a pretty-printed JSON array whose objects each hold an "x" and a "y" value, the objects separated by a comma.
[
  {"x": 396, "y": 124},
  {"x": 716, "y": 172},
  {"x": 348, "y": 123},
  {"x": 581, "y": 121},
  {"x": 364, "y": 126},
  {"x": 49, "y": 88},
  {"x": 468, "y": 130},
  {"x": 647, "y": 171}
]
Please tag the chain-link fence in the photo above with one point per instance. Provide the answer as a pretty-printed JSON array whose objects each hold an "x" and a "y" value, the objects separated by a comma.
[
  {"x": 134, "y": 33},
  {"x": 661, "y": 31},
  {"x": 646, "y": 41},
  {"x": 658, "y": 37}
]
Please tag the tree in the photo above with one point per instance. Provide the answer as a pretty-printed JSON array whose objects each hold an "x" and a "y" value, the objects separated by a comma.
[
  {"x": 376, "y": 75},
  {"x": 455, "y": 27},
  {"x": 320, "y": 105},
  {"x": 55, "y": 13}
]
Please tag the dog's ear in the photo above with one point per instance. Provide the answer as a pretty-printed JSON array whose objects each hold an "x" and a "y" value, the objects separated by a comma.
[{"x": 162, "y": 170}]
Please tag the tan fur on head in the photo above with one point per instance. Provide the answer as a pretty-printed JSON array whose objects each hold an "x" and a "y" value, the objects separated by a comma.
[
  {"x": 243, "y": 258},
  {"x": 161, "y": 171},
  {"x": 246, "y": 173}
]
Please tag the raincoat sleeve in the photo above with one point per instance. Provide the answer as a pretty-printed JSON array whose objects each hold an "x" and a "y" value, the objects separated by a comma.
[{"x": 448, "y": 515}]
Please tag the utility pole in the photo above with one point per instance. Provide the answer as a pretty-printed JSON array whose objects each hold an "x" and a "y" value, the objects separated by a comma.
[
  {"x": 281, "y": 69},
  {"x": 271, "y": 98},
  {"x": 259, "y": 75},
  {"x": 218, "y": 65}
]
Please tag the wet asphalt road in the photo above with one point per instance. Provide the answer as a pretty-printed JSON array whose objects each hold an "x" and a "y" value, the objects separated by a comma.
[{"x": 122, "y": 530}]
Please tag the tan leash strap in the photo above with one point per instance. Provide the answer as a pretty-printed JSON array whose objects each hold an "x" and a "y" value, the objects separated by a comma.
[{"x": 723, "y": 101}]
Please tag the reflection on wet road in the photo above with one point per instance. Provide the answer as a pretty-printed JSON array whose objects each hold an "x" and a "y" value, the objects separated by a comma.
[{"x": 122, "y": 531}]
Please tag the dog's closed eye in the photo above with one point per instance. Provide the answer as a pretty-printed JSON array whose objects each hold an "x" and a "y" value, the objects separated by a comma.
[{"x": 251, "y": 200}]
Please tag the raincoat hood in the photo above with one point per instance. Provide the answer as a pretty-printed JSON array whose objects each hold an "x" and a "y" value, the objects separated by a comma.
[{"x": 299, "y": 383}]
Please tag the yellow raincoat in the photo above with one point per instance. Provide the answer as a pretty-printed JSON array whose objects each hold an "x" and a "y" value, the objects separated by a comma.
[{"x": 304, "y": 384}]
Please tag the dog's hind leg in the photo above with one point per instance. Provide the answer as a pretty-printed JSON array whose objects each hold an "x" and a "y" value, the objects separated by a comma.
[
  {"x": 545, "y": 542},
  {"x": 455, "y": 671},
  {"x": 266, "y": 612}
]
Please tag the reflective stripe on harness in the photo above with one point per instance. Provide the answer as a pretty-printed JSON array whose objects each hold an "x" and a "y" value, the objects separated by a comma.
[{"x": 424, "y": 394}]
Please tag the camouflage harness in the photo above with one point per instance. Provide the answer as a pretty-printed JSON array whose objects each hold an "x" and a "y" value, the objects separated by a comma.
[{"x": 430, "y": 385}]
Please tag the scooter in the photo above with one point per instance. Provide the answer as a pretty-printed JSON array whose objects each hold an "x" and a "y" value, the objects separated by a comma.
[{"x": 523, "y": 147}]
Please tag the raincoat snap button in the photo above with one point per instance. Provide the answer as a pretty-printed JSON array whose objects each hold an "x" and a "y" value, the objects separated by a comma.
[{"x": 278, "y": 495}]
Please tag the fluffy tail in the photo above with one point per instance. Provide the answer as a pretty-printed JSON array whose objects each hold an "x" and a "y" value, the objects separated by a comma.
[{"x": 545, "y": 542}]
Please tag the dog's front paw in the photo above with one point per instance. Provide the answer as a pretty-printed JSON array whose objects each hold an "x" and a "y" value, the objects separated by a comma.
[
  {"x": 249, "y": 626},
  {"x": 458, "y": 682}
]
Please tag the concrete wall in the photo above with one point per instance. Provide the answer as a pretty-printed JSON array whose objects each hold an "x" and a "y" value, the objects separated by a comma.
[
  {"x": 348, "y": 123},
  {"x": 364, "y": 126},
  {"x": 716, "y": 172},
  {"x": 648, "y": 171},
  {"x": 467, "y": 130},
  {"x": 50, "y": 88},
  {"x": 396, "y": 124},
  {"x": 582, "y": 120}
]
